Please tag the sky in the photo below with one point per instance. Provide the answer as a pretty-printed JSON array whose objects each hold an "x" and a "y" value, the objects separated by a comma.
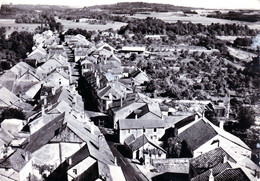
[{"x": 216, "y": 4}]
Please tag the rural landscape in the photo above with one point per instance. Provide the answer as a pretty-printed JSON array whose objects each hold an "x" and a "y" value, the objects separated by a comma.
[{"x": 130, "y": 91}]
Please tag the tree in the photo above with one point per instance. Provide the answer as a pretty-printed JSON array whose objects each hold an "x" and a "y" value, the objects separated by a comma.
[
  {"x": 246, "y": 117},
  {"x": 174, "y": 147}
]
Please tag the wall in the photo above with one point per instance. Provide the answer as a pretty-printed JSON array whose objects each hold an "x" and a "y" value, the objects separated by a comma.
[
  {"x": 155, "y": 136},
  {"x": 26, "y": 171},
  {"x": 223, "y": 142},
  {"x": 148, "y": 157}
]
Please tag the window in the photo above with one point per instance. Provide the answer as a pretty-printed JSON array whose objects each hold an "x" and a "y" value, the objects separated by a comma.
[
  {"x": 155, "y": 129},
  {"x": 75, "y": 171},
  {"x": 128, "y": 130}
]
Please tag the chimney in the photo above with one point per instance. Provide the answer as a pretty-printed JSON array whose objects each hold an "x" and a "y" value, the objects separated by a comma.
[
  {"x": 92, "y": 128},
  {"x": 43, "y": 110},
  {"x": 97, "y": 81},
  {"x": 211, "y": 177},
  {"x": 225, "y": 159},
  {"x": 121, "y": 101},
  {"x": 44, "y": 101},
  {"x": 70, "y": 161},
  {"x": 136, "y": 116},
  {"x": 26, "y": 156},
  {"x": 196, "y": 117},
  {"x": 53, "y": 90},
  {"x": 110, "y": 96},
  {"x": 221, "y": 124},
  {"x": 115, "y": 161},
  {"x": 100, "y": 140}
]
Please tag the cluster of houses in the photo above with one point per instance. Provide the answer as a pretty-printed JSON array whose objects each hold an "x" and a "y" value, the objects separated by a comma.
[
  {"x": 144, "y": 125},
  {"x": 58, "y": 139}
]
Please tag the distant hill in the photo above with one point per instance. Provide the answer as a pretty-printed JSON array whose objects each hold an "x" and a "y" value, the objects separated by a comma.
[{"x": 137, "y": 7}]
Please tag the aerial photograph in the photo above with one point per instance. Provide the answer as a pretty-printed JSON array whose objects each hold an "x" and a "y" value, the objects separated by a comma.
[{"x": 130, "y": 90}]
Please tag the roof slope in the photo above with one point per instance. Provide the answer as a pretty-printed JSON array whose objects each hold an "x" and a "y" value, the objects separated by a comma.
[
  {"x": 17, "y": 160},
  {"x": 232, "y": 174},
  {"x": 141, "y": 123},
  {"x": 198, "y": 134},
  {"x": 209, "y": 160},
  {"x": 7, "y": 97},
  {"x": 44, "y": 135},
  {"x": 215, "y": 171}
]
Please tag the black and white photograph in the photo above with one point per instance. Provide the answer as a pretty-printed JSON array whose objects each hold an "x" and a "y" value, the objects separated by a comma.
[{"x": 130, "y": 90}]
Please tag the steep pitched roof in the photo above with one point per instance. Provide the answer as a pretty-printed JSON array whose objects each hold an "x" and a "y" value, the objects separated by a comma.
[
  {"x": 129, "y": 139},
  {"x": 232, "y": 174},
  {"x": 209, "y": 160},
  {"x": 140, "y": 123},
  {"x": 17, "y": 160},
  {"x": 141, "y": 141},
  {"x": 116, "y": 90},
  {"x": 138, "y": 143},
  {"x": 45, "y": 134},
  {"x": 151, "y": 107},
  {"x": 215, "y": 171},
  {"x": 20, "y": 68},
  {"x": 229, "y": 136},
  {"x": 198, "y": 134},
  {"x": 7, "y": 97}
]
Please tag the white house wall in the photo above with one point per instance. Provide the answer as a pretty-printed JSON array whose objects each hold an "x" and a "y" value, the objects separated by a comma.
[
  {"x": 26, "y": 171},
  {"x": 223, "y": 142},
  {"x": 154, "y": 136}
]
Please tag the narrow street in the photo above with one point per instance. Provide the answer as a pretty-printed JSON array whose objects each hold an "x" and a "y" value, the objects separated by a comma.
[{"x": 131, "y": 172}]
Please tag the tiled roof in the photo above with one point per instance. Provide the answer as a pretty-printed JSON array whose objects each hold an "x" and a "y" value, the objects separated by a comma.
[
  {"x": 232, "y": 174},
  {"x": 173, "y": 165},
  {"x": 138, "y": 143},
  {"x": 215, "y": 171},
  {"x": 7, "y": 96},
  {"x": 17, "y": 160},
  {"x": 230, "y": 136},
  {"x": 20, "y": 68},
  {"x": 198, "y": 134},
  {"x": 44, "y": 135},
  {"x": 209, "y": 160},
  {"x": 129, "y": 139},
  {"x": 140, "y": 123}
]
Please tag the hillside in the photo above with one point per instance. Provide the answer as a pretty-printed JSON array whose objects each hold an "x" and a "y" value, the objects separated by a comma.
[{"x": 135, "y": 7}]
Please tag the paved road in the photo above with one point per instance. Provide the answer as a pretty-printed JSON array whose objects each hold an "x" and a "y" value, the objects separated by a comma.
[{"x": 131, "y": 172}]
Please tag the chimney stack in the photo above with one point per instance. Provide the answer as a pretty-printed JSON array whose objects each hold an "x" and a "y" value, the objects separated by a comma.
[
  {"x": 115, "y": 161},
  {"x": 225, "y": 159},
  {"x": 43, "y": 110},
  {"x": 221, "y": 124},
  {"x": 44, "y": 101},
  {"x": 53, "y": 90},
  {"x": 211, "y": 177},
  {"x": 100, "y": 140},
  {"x": 92, "y": 128}
]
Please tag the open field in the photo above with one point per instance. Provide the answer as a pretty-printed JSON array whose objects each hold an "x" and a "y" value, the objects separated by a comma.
[
  {"x": 70, "y": 24},
  {"x": 173, "y": 17},
  {"x": 11, "y": 26}
]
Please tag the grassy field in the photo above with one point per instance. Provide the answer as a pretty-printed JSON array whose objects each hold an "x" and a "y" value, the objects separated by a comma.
[
  {"x": 70, "y": 24},
  {"x": 173, "y": 17},
  {"x": 11, "y": 26}
]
